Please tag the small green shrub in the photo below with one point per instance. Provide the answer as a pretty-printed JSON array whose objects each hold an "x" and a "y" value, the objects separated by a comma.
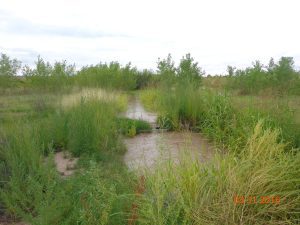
[
  {"x": 132, "y": 127},
  {"x": 131, "y": 132}
]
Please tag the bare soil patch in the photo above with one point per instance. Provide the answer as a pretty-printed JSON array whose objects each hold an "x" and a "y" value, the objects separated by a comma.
[{"x": 65, "y": 163}]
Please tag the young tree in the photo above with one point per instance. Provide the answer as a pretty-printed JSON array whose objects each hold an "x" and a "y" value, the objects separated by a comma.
[
  {"x": 257, "y": 66},
  {"x": 231, "y": 70},
  {"x": 285, "y": 69},
  {"x": 42, "y": 68},
  {"x": 165, "y": 67},
  {"x": 63, "y": 69},
  {"x": 9, "y": 67},
  {"x": 188, "y": 69},
  {"x": 271, "y": 66}
]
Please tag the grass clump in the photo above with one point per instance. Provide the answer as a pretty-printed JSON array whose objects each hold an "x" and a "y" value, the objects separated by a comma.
[
  {"x": 195, "y": 193},
  {"x": 92, "y": 128}
]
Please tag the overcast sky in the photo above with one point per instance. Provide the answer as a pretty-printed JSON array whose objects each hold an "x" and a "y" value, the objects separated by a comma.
[{"x": 217, "y": 33}]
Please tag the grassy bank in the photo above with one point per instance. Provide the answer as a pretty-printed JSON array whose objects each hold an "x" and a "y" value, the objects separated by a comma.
[
  {"x": 31, "y": 188},
  {"x": 194, "y": 193},
  {"x": 218, "y": 115},
  {"x": 261, "y": 161}
]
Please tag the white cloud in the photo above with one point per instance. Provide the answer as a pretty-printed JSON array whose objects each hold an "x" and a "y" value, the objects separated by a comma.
[{"x": 215, "y": 32}]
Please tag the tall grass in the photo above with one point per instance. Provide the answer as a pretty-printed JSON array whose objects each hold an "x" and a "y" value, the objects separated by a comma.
[
  {"x": 30, "y": 179},
  {"x": 186, "y": 107},
  {"x": 34, "y": 192},
  {"x": 92, "y": 128},
  {"x": 257, "y": 163},
  {"x": 31, "y": 189},
  {"x": 195, "y": 193}
]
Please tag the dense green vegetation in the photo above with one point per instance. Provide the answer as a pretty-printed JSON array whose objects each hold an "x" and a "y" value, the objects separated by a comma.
[
  {"x": 33, "y": 190},
  {"x": 55, "y": 108},
  {"x": 216, "y": 116},
  {"x": 259, "y": 144},
  {"x": 196, "y": 193},
  {"x": 276, "y": 78},
  {"x": 62, "y": 77}
]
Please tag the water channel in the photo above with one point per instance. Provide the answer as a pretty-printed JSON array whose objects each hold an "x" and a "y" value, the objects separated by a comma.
[{"x": 144, "y": 150}]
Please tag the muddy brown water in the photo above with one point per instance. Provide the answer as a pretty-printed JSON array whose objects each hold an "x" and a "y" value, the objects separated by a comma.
[
  {"x": 136, "y": 111},
  {"x": 145, "y": 150}
]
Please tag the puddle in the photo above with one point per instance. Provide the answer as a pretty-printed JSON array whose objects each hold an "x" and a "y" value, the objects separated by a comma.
[
  {"x": 144, "y": 150},
  {"x": 65, "y": 164}
]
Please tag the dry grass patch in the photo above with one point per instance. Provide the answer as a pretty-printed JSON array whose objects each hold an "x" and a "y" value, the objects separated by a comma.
[{"x": 75, "y": 98}]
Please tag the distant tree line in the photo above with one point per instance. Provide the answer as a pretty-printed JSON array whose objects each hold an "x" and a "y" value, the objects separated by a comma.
[
  {"x": 110, "y": 75},
  {"x": 277, "y": 77}
]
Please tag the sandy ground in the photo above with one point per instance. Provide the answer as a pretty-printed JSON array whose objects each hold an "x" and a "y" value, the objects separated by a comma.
[{"x": 65, "y": 164}]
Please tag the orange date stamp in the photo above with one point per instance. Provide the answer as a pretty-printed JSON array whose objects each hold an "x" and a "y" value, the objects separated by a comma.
[{"x": 256, "y": 199}]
